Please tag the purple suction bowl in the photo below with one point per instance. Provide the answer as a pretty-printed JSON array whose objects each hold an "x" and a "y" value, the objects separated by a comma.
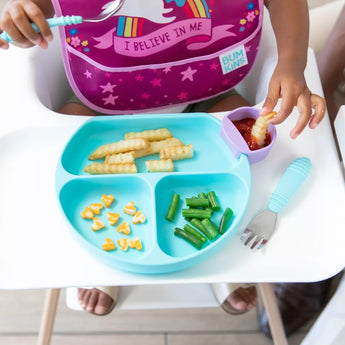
[{"x": 234, "y": 139}]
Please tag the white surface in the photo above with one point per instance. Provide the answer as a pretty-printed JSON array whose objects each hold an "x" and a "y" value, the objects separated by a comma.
[
  {"x": 329, "y": 328},
  {"x": 37, "y": 249}
]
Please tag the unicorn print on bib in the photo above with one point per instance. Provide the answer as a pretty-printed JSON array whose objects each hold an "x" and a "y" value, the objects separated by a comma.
[{"x": 155, "y": 54}]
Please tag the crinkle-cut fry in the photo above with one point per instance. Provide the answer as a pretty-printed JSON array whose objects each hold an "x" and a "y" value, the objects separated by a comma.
[
  {"x": 165, "y": 165},
  {"x": 150, "y": 134},
  {"x": 96, "y": 207},
  {"x": 260, "y": 128},
  {"x": 124, "y": 228},
  {"x": 108, "y": 245},
  {"x": 139, "y": 218},
  {"x": 269, "y": 115},
  {"x": 97, "y": 224},
  {"x": 87, "y": 213},
  {"x": 123, "y": 243},
  {"x": 108, "y": 200},
  {"x": 156, "y": 146},
  {"x": 113, "y": 217},
  {"x": 120, "y": 158},
  {"x": 130, "y": 208},
  {"x": 104, "y": 168},
  {"x": 136, "y": 243},
  {"x": 177, "y": 152},
  {"x": 119, "y": 147}
]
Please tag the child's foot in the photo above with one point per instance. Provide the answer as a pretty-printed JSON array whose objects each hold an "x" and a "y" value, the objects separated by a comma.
[
  {"x": 96, "y": 301},
  {"x": 243, "y": 298},
  {"x": 234, "y": 298}
]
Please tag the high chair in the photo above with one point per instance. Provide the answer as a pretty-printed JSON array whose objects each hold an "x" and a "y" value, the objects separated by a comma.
[{"x": 39, "y": 79}]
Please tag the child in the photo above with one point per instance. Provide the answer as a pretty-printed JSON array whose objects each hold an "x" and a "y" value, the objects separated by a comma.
[{"x": 291, "y": 26}]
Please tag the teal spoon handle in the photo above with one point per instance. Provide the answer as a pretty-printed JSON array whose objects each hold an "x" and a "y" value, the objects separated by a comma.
[
  {"x": 293, "y": 177},
  {"x": 66, "y": 20}
]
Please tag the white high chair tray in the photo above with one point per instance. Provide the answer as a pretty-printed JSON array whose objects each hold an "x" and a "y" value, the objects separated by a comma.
[{"x": 38, "y": 251}]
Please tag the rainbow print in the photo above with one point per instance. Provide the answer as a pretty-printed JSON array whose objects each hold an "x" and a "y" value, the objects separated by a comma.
[
  {"x": 129, "y": 26},
  {"x": 196, "y": 9}
]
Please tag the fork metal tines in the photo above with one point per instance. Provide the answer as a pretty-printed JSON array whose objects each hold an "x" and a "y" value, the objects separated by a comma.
[
  {"x": 260, "y": 229},
  {"x": 253, "y": 241}
]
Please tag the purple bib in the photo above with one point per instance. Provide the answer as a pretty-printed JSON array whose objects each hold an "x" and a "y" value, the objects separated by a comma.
[{"x": 154, "y": 54}]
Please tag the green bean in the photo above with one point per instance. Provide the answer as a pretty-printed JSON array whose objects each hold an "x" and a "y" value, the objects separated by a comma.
[
  {"x": 196, "y": 213},
  {"x": 204, "y": 196},
  {"x": 210, "y": 227},
  {"x": 197, "y": 202},
  {"x": 223, "y": 225},
  {"x": 195, "y": 232},
  {"x": 173, "y": 207},
  {"x": 197, "y": 223},
  {"x": 188, "y": 237},
  {"x": 213, "y": 201}
]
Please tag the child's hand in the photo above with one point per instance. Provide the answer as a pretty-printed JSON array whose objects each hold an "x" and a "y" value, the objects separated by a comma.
[
  {"x": 16, "y": 19},
  {"x": 288, "y": 82}
]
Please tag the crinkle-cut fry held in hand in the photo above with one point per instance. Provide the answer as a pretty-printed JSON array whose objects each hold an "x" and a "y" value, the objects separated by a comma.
[
  {"x": 150, "y": 135},
  {"x": 116, "y": 158},
  {"x": 165, "y": 165},
  {"x": 104, "y": 168},
  {"x": 260, "y": 127},
  {"x": 177, "y": 152},
  {"x": 119, "y": 147},
  {"x": 156, "y": 146}
]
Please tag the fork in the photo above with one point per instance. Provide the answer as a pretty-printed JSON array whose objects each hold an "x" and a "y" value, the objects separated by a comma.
[
  {"x": 110, "y": 10},
  {"x": 261, "y": 228}
]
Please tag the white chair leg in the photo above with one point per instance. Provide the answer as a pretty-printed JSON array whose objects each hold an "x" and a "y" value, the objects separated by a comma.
[
  {"x": 48, "y": 316},
  {"x": 273, "y": 314}
]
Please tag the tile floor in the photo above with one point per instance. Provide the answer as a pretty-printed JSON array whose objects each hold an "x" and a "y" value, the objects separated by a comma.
[{"x": 20, "y": 313}]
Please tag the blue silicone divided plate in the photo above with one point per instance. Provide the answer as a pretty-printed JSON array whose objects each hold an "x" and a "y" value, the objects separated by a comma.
[{"x": 213, "y": 167}]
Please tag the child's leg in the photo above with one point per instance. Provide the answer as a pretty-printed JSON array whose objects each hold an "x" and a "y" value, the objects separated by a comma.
[
  {"x": 76, "y": 109},
  {"x": 230, "y": 102},
  {"x": 225, "y": 102}
]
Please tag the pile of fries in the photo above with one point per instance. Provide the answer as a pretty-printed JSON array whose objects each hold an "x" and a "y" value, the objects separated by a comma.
[{"x": 119, "y": 157}]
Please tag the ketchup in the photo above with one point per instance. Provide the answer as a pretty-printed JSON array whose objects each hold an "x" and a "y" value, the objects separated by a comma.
[{"x": 245, "y": 126}]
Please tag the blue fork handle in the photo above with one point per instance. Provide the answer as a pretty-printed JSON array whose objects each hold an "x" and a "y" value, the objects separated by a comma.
[
  {"x": 293, "y": 177},
  {"x": 66, "y": 20}
]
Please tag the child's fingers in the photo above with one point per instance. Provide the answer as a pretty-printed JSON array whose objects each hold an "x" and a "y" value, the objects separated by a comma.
[
  {"x": 305, "y": 112},
  {"x": 3, "y": 44},
  {"x": 16, "y": 21},
  {"x": 36, "y": 16},
  {"x": 272, "y": 98},
  {"x": 9, "y": 23},
  {"x": 319, "y": 104},
  {"x": 287, "y": 104}
]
